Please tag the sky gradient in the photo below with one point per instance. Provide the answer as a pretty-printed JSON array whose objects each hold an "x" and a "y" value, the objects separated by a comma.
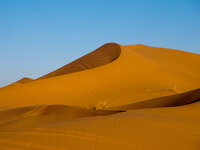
[{"x": 39, "y": 36}]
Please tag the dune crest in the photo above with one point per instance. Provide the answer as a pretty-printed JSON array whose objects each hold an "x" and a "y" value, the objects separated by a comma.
[
  {"x": 24, "y": 80},
  {"x": 166, "y": 101},
  {"x": 19, "y": 82},
  {"x": 45, "y": 114},
  {"x": 101, "y": 56}
]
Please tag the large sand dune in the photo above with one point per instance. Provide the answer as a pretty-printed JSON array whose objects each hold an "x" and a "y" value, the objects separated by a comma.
[{"x": 116, "y": 97}]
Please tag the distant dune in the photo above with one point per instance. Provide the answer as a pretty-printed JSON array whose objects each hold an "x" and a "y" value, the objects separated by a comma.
[
  {"x": 116, "y": 97},
  {"x": 20, "y": 82},
  {"x": 24, "y": 80}
]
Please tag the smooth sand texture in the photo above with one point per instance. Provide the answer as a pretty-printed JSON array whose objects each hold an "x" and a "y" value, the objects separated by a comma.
[{"x": 117, "y": 97}]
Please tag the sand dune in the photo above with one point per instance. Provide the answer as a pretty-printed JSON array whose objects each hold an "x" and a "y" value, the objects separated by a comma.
[
  {"x": 24, "y": 80},
  {"x": 20, "y": 82},
  {"x": 116, "y": 97},
  {"x": 132, "y": 77}
]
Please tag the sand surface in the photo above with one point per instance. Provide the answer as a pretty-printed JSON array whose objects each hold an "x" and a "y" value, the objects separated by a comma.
[{"x": 116, "y": 97}]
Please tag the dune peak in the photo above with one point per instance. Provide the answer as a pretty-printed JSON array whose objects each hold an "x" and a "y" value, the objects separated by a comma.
[
  {"x": 101, "y": 56},
  {"x": 24, "y": 80}
]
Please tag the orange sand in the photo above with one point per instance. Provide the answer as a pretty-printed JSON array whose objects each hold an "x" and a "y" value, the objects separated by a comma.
[{"x": 117, "y": 97}]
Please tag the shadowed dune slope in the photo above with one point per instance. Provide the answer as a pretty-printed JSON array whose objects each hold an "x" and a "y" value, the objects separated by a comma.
[
  {"x": 24, "y": 80},
  {"x": 101, "y": 56},
  {"x": 19, "y": 82},
  {"x": 167, "y": 101},
  {"x": 137, "y": 74}
]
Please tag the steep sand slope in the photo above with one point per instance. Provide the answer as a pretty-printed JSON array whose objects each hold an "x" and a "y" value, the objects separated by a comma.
[
  {"x": 101, "y": 56},
  {"x": 133, "y": 77}
]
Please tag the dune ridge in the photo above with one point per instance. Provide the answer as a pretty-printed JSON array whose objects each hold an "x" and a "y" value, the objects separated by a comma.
[
  {"x": 166, "y": 101},
  {"x": 101, "y": 56},
  {"x": 24, "y": 80},
  {"x": 46, "y": 114},
  {"x": 20, "y": 82}
]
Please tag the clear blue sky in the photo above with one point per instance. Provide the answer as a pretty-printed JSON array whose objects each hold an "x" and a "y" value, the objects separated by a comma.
[{"x": 38, "y": 36}]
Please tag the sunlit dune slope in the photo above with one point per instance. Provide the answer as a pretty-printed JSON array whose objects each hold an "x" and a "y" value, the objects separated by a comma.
[{"x": 137, "y": 74}]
